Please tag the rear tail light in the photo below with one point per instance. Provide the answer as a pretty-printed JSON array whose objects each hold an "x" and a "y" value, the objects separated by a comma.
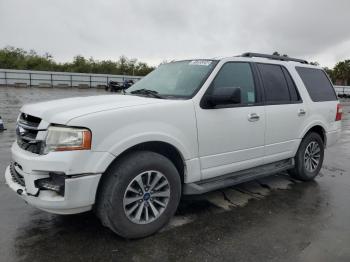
[{"x": 339, "y": 113}]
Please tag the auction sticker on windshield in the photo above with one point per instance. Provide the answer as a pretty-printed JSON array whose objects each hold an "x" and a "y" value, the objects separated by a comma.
[{"x": 200, "y": 62}]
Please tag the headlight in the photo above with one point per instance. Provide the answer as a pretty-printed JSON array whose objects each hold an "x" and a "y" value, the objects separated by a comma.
[{"x": 67, "y": 139}]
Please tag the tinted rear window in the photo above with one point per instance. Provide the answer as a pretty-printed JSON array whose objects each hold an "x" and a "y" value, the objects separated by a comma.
[
  {"x": 275, "y": 84},
  {"x": 317, "y": 84}
]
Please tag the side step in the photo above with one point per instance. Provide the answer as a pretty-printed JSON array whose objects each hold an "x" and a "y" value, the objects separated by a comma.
[{"x": 237, "y": 177}]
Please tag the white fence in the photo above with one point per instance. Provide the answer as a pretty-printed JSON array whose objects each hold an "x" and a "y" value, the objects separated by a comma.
[
  {"x": 342, "y": 90},
  {"x": 9, "y": 77}
]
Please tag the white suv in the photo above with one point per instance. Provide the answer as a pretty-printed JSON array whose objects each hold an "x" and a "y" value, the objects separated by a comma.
[{"x": 188, "y": 127}]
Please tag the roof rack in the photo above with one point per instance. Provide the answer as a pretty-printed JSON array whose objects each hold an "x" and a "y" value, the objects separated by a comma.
[{"x": 274, "y": 57}]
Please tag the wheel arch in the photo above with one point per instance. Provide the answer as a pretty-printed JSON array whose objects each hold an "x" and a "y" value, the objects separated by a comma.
[
  {"x": 164, "y": 148},
  {"x": 319, "y": 129}
]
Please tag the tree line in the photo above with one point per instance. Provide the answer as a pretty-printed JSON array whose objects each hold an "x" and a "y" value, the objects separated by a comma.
[
  {"x": 340, "y": 74},
  {"x": 17, "y": 58}
]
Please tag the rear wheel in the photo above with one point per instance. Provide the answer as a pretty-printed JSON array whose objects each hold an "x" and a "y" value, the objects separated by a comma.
[
  {"x": 309, "y": 158},
  {"x": 139, "y": 194}
]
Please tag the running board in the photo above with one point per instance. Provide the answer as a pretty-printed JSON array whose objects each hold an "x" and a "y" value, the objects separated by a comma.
[{"x": 237, "y": 177}]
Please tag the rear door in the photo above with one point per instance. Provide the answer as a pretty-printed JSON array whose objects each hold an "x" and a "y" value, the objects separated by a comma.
[{"x": 285, "y": 112}]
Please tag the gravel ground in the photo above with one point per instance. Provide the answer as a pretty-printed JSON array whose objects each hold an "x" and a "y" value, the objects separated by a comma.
[{"x": 271, "y": 219}]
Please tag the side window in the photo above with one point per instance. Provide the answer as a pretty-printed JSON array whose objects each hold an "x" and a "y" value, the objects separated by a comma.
[
  {"x": 237, "y": 74},
  {"x": 293, "y": 91},
  {"x": 317, "y": 84},
  {"x": 275, "y": 84}
]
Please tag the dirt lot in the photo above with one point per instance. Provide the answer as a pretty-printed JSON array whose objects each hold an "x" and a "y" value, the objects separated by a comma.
[{"x": 271, "y": 219}]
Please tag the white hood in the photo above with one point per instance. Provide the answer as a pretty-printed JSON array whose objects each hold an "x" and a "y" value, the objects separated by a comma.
[{"x": 63, "y": 110}]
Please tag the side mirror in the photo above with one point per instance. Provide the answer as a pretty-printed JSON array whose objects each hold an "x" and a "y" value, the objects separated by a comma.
[{"x": 223, "y": 96}]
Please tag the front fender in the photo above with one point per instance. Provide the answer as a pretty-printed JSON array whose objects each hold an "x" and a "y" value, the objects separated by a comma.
[
  {"x": 172, "y": 122},
  {"x": 124, "y": 144}
]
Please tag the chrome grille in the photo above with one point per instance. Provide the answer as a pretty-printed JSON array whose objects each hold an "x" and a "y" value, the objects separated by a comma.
[{"x": 27, "y": 131}]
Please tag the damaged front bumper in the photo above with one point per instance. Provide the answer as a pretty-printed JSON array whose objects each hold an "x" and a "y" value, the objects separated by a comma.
[
  {"x": 77, "y": 197},
  {"x": 31, "y": 177}
]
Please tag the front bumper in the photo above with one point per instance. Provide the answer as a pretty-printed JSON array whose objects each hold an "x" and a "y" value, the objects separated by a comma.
[
  {"x": 83, "y": 171},
  {"x": 79, "y": 194}
]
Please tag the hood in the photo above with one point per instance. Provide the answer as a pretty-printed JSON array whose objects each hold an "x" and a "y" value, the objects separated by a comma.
[{"x": 63, "y": 110}]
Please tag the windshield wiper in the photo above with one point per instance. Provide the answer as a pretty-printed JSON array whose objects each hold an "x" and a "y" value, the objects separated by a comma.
[{"x": 147, "y": 92}]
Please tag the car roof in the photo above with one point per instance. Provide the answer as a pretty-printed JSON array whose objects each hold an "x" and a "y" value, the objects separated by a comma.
[
  {"x": 260, "y": 58},
  {"x": 267, "y": 61}
]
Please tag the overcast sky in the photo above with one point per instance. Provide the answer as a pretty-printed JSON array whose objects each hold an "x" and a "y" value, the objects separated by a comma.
[{"x": 157, "y": 30}]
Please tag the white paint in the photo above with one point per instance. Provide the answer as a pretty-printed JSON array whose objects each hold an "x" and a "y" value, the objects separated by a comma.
[
  {"x": 223, "y": 143},
  {"x": 210, "y": 142}
]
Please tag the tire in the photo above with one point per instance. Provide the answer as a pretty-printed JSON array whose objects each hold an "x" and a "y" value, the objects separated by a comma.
[
  {"x": 118, "y": 188},
  {"x": 307, "y": 170}
]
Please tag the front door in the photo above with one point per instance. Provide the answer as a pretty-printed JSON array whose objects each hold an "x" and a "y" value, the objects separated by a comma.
[{"x": 231, "y": 137}]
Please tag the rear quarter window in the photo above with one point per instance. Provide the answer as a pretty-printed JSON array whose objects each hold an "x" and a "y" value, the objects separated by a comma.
[{"x": 317, "y": 84}]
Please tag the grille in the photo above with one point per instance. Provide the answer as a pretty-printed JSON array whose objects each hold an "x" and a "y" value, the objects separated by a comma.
[
  {"x": 16, "y": 177},
  {"x": 27, "y": 130}
]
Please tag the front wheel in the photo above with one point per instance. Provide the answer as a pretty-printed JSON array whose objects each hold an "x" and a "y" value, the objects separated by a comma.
[
  {"x": 309, "y": 158},
  {"x": 139, "y": 194}
]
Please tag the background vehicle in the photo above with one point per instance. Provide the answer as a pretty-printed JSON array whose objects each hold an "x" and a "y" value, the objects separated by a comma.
[
  {"x": 188, "y": 127},
  {"x": 114, "y": 86}
]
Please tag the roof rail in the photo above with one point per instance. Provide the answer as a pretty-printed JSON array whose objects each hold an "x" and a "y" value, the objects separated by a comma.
[{"x": 274, "y": 57}]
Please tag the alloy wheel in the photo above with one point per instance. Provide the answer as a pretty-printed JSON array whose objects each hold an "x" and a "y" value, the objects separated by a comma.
[
  {"x": 312, "y": 156},
  {"x": 146, "y": 197}
]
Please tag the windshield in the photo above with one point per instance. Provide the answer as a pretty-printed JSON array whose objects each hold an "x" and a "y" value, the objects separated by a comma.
[{"x": 176, "y": 79}]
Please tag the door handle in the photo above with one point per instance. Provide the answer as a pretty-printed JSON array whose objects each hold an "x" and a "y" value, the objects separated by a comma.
[
  {"x": 301, "y": 112},
  {"x": 253, "y": 117}
]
